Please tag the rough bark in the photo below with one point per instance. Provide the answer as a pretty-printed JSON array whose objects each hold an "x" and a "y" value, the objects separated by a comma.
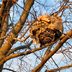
[
  {"x": 47, "y": 56},
  {"x": 9, "y": 40}
]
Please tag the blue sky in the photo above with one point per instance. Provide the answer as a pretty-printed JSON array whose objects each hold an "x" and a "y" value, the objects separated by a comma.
[{"x": 57, "y": 57}]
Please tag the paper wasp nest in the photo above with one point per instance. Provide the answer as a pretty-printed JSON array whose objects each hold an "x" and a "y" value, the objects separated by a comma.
[{"x": 46, "y": 29}]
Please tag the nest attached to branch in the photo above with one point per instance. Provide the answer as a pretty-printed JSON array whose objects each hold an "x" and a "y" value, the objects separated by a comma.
[{"x": 46, "y": 30}]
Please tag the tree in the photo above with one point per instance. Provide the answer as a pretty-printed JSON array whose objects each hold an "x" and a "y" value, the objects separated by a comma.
[{"x": 14, "y": 29}]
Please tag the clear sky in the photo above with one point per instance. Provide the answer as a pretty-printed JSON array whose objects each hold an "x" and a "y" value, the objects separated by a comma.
[{"x": 31, "y": 59}]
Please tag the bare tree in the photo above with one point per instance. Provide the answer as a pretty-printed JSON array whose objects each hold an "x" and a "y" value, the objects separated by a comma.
[{"x": 21, "y": 24}]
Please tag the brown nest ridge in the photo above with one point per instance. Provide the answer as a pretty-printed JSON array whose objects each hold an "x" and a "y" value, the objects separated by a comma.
[{"x": 46, "y": 30}]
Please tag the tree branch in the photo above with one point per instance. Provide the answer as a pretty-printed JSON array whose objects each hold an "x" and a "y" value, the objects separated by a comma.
[
  {"x": 19, "y": 48},
  {"x": 19, "y": 54},
  {"x": 60, "y": 68},
  {"x": 9, "y": 69},
  {"x": 4, "y": 12},
  {"x": 45, "y": 58},
  {"x": 48, "y": 56},
  {"x": 10, "y": 38}
]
